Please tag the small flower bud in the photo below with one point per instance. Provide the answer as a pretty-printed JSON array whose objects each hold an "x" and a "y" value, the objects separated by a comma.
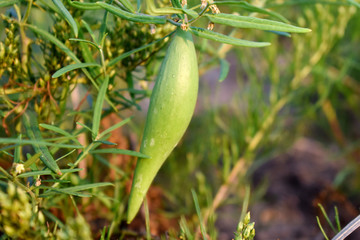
[
  {"x": 38, "y": 182},
  {"x": 184, "y": 27},
  {"x": 214, "y": 9},
  {"x": 210, "y": 26},
  {"x": 203, "y": 4}
]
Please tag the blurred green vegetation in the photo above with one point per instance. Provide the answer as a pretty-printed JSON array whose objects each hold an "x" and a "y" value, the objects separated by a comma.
[{"x": 306, "y": 85}]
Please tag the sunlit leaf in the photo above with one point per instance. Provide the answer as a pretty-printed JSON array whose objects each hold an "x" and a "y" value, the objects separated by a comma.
[
  {"x": 72, "y": 67},
  {"x": 204, "y": 33},
  {"x": 255, "y": 23}
]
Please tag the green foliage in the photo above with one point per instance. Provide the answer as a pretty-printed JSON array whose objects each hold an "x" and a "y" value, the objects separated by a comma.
[{"x": 67, "y": 67}]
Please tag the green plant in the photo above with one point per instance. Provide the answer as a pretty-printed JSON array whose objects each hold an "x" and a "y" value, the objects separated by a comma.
[{"x": 73, "y": 79}]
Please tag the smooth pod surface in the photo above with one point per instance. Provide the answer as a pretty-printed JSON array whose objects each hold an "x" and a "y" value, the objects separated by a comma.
[{"x": 172, "y": 105}]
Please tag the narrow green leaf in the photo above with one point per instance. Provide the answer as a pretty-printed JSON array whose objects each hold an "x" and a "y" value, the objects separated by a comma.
[
  {"x": 119, "y": 151},
  {"x": 56, "y": 181},
  {"x": 117, "y": 125},
  {"x": 321, "y": 228},
  {"x": 67, "y": 16},
  {"x": 32, "y": 130},
  {"x": 204, "y": 33},
  {"x": 143, "y": 18},
  {"x": 59, "y": 130},
  {"x": 32, "y": 160},
  {"x": 17, "y": 152},
  {"x": 127, "y": 4},
  {"x": 47, "y": 172},
  {"x": 285, "y": 34},
  {"x": 176, "y": 3},
  {"x": 248, "y": 7},
  {"x": 54, "y": 191},
  {"x": 86, "y": 186},
  {"x": 353, "y": 2},
  {"x": 337, "y": 219},
  {"x": 253, "y": 22},
  {"x": 87, "y": 54},
  {"x": 83, "y": 5},
  {"x": 98, "y": 106},
  {"x": 224, "y": 69},
  {"x": 106, "y": 142},
  {"x": 190, "y": 12},
  {"x": 90, "y": 31},
  {"x": 198, "y": 212},
  {"x": 38, "y": 142},
  {"x": 5, "y": 3},
  {"x": 84, "y": 126},
  {"x": 71, "y": 67},
  {"x": 102, "y": 32}
]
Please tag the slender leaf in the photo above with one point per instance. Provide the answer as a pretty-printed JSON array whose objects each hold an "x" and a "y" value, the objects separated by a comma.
[
  {"x": 90, "y": 31},
  {"x": 224, "y": 69},
  {"x": 248, "y": 7},
  {"x": 64, "y": 156},
  {"x": 59, "y": 130},
  {"x": 84, "y": 126},
  {"x": 85, "y": 41},
  {"x": 285, "y": 34},
  {"x": 326, "y": 217},
  {"x": 32, "y": 160},
  {"x": 32, "y": 130},
  {"x": 190, "y": 12},
  {"x": 56, "y": 181},
  {"x": 102, "y": 32},
  {"x": 17, "y": 152},
  {"x": 47, "y": 172},
  {"x": 253, "y": 22},
  {"x": 38, "y": 142},
  {"x": 143, "y": 18},
  {"x": 119, "y": 151},
  {"x": 204, "y": 33},
  {"x": 71, "y": 67},
  {"x": 98, "y": 106},
  {"x": 321, "y": 228},
  {"x": 197, "y": 207},
  {"x": 87, "y": 186},
  {"x": 54, "y": 191},
  {"x": 117, "y": 125},
  {"x": 67, "y": 16},
  {"x": 5, "y": 3},
  {"x": 106, "y": 142},
  {"x": 353, "y": 2},
  {"x": 83, "y": 5},
  {"x": 127, "y": 4}
]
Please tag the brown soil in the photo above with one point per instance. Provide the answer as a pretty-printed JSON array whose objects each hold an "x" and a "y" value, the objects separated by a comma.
[{"x": 297, "y": 182}]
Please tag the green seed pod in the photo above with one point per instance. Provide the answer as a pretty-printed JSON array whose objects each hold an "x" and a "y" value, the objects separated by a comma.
[{"x": 171, "y": 107}]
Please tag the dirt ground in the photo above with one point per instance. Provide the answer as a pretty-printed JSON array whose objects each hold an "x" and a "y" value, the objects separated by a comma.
[{"x": 297, "y": 182}]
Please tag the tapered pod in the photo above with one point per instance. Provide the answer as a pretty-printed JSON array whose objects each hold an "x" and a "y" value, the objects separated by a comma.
[{"x": 172, "y": 105}]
